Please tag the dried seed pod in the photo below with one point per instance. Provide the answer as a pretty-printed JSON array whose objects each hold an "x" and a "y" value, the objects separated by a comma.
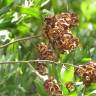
[
  {"x": 67, "y": 43},
  {"x": 80, "y": 71},
  {"x": 86, "y": 79},
  {"x": 49, "y": 23},
  {"x": 45, "y": 53},
  {"x": 52, "y": 87},
  {"x": 41, "y": 68},
  {"x": 62, "y": 41},
  {"x": 70, "y": 86},
  {"x": 68, "y": 19},
  {"x": 87, "y": 72}
]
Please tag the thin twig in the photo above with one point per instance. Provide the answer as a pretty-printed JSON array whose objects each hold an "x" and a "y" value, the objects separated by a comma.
[
  {"x": 18, "y": 40},
  {"x": 29, "y": 61},
  {"x": 34, "y": 61}
]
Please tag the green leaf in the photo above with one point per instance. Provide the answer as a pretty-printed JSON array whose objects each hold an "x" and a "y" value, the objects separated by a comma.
[
  {"x": 84, "y": 60},
  {"x": 55, "y": 5},
  {"x": 67, "y": 74},
  {"x": 45, "y": 3},
  {"x": 23, "y": 28},
  {"x": 8, "y": 2},
  {"x": 90, "y": 90},
  {"x": 92, "y": 93},
  {"x": 5, "y": 9},
  {"x": 32, "y": 11},
  {"x": 40, "y": 88},
  {"x": 73, "y": 94}
]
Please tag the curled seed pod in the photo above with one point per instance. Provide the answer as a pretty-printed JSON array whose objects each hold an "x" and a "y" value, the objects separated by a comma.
[
  {"x": 80, "y": 71},
  {"x": 87, "y": 72},
  {"x": 86, "y": 79},
  {"x": 41, "y": 68},
  {"x": 73, "y": 21},
  {"x": 70, "y": 86},
  {"x": 62, "y": 41},
  {"x": 45, "y": 53},
  {"x": 52, "y": 87},
  {"x": 67, "y": 43},
  {"x": 49, "y": 23},
  {"x": 70, "y": 19}
]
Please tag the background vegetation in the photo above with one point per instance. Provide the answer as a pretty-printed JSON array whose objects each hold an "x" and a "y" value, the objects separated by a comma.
[{"x": 21, "y": 18}]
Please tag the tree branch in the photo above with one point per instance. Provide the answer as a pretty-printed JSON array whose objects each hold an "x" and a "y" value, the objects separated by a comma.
[
  {"x": 18, "y": 40},
  {"x": 34, "y": 61},
  {"x": 29, "y": 61}
]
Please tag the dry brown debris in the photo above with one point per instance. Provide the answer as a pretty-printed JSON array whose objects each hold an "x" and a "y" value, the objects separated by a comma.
[
  {"x": 57, "y": 30},
  {"x": 45, "y": 53},
  {"x": 52, "y": 87},
  {"x": 70, "y": 86},
  {"x": 41, "y": 68},
  {"x": 87, "y": 72}
]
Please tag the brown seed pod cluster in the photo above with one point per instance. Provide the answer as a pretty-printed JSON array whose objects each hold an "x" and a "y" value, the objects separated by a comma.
[
  {"x": 52, "y": 87},
  {"x": 45, "y": 53},
  {"x": 41, "y": 68},
  {"x": 57, "y": 30},
  {"x": 87, "y": 72}
]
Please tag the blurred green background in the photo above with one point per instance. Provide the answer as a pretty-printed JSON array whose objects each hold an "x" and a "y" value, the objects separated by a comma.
[{"x": 21, "y": 18}]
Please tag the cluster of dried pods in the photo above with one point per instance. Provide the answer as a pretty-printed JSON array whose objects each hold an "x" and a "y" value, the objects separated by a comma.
[
  {"x": 87, "y": 73},
  {"x": 52, "y": 87},
  {"x": 57, "y": 31},
  {"x": 45, "y": 53}
]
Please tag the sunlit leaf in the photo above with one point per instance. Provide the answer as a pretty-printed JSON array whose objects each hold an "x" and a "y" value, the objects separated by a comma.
[
  {"x": 67, "y": 74},
  {"x": 32, "y": 11}
]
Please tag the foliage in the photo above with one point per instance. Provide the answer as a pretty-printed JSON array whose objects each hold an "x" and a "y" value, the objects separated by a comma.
[{"x": 21, "y": 18}]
